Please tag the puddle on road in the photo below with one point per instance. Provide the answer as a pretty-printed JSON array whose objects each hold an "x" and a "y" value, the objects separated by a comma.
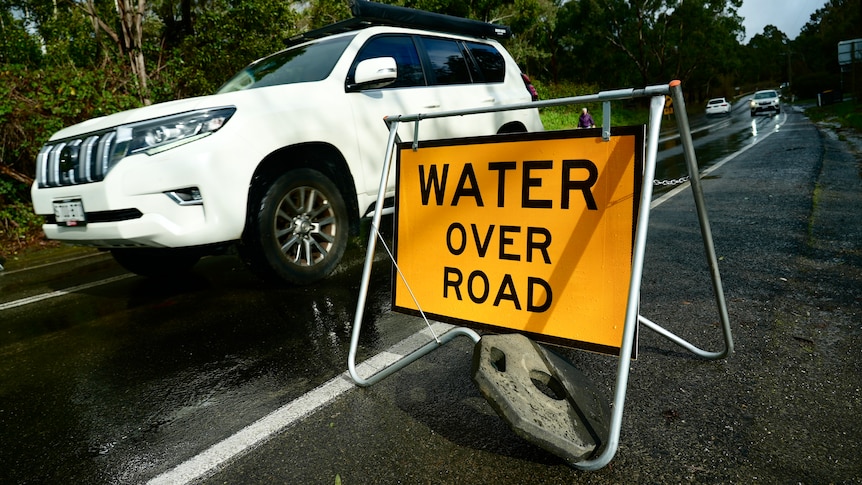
[{"x": 711, "y": 146}]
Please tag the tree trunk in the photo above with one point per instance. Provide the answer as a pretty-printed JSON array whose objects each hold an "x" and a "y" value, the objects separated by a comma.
[
  {"x": 15, "y": 175},
  {"x": 131, "y": 18},
  {"x": 130, "y": 39}
]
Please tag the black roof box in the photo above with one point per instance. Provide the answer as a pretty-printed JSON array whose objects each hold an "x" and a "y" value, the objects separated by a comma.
[
  {"x": 366, "y": 14},
  {"x": 380, "y": 13}
]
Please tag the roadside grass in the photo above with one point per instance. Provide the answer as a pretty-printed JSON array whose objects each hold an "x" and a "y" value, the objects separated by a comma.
[
  {"x": 623, "y": 113},
  {"x": 566, "y": 117},
  {"x": 847, "y": 114}
]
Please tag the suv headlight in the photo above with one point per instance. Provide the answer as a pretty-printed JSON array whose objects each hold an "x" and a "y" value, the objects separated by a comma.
[{"x": 160, "y": 134}]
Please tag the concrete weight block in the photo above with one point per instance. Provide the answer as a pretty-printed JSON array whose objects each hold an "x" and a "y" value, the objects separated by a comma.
[{"x": 543, "y": 397}]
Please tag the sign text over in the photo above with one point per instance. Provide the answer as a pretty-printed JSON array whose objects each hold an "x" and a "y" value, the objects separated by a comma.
[{"x": 531, "y": 233}]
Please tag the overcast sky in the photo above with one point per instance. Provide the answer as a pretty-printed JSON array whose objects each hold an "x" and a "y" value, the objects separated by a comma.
[{"x": 788, "y": 15}]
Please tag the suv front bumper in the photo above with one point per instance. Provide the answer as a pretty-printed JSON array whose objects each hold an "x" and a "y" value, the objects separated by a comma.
[
  {"x": 759, "y": 108},
  {"x": 137, "y": 205}
]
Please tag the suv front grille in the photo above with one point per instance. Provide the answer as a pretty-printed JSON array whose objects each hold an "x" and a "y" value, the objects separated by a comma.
[{"x": 75, "y": 161}]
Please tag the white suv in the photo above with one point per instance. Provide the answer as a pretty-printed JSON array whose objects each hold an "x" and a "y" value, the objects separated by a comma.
[
  {"x": 286, "y": 158},
  {"x": 766, "y": 100}
]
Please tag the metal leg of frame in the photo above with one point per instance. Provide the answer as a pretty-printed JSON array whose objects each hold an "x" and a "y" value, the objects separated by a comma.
[
  {"x": 366, "y": 277},
  {"x": 656, "y": 108},
  {"x": 705, "y": 231},
  {"x": 624, "y": 364}
]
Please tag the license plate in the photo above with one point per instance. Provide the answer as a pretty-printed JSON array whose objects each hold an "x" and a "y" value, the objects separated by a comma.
[{"x": 70, "y": 212}]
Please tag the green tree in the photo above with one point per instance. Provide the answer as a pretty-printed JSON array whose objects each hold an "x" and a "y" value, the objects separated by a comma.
[
  {"x": 584, "y": 52},
  {"x": 35, "y": 103},
  {"x": 764, "y": 63},
  {"x": 624, "y": 43},
  {"x": 228, "y": 34},
  {"x": 127, "y": 36},
  {"x": 325, "y": 12},
  {"x": 535, "y": 43},
  {"x": 17, "y": 46},
  {"x": 705, "y": 57},
  {"x": 472, "y": 9},
  {"x": 814, "y": 54},
  {"x": 63, "y": 32},
  {"x": 837, "y": 21}
]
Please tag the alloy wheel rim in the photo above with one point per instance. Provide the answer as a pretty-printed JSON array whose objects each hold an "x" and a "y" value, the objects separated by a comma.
[{"x": 305, "y": 226}]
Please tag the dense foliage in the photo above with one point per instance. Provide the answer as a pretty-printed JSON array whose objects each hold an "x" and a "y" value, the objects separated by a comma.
[{"x": 64, "y": 61}]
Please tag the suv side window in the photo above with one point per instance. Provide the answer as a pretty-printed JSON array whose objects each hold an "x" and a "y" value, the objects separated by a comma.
[
  {"x": 490, "y": 62},
  {"x": 400, "y": 47},
  {"x": 448, "y": 65}
]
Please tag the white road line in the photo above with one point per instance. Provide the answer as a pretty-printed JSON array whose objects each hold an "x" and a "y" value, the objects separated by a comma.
[
  {"x": 54, "y": 294},
  {"x": 257, "y": 433}
]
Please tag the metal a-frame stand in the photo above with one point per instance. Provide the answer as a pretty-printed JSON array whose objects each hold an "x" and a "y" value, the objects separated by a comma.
[{"x": 632, "y": 318}]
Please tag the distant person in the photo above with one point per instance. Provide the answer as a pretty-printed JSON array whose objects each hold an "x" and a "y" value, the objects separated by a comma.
[{"x": 586, "y": 120}]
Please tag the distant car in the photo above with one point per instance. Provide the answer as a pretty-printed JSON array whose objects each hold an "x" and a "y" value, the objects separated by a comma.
[
  {"x": 718, "y": 106},
  {"x": 766, "y": 100}
]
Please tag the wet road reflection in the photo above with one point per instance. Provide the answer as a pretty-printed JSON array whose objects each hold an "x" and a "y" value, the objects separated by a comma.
[
  {"x": 100, "y": 385},
  {"x": 714, "y": 139}
]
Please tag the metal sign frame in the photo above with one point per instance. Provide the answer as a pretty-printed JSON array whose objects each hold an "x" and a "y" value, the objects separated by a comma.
[{"x": 632, "y": 317}]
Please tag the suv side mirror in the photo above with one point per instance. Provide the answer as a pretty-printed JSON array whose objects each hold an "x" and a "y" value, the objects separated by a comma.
[{"x": 374, "y": 73}]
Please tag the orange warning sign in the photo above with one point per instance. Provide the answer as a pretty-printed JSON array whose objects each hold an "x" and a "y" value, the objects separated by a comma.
[{"x": 532, "y": 233}]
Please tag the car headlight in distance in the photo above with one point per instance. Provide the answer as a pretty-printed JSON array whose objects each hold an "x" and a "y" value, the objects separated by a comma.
[{"x": 160, "y": 134}]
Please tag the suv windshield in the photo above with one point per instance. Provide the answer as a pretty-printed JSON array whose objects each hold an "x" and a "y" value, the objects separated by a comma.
[
  {"x": 306, "y": 63},
  {"x": 765, "y": 94}
]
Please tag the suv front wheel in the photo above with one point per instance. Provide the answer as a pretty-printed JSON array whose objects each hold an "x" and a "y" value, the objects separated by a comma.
[{"x": 300, "y": 229}]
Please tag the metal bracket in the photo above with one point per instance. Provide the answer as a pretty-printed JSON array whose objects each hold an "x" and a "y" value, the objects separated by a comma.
[{"x": 606, "y": 121}]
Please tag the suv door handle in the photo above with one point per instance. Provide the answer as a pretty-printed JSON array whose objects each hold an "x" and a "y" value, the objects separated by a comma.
[
  {"x": 430, "y": 106},
  {"x": 489, "y": 100}
]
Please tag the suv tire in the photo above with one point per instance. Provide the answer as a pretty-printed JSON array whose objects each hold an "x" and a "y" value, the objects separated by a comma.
[
  {"x": 157, "y": 262},
  {"x": 300, "y": 229}
]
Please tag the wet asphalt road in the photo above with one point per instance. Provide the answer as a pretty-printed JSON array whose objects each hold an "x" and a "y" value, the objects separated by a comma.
[{"x": 121, "y": 382}]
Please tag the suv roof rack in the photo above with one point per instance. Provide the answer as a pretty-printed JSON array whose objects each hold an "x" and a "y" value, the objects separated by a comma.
[{"x": 367, "y": 14}]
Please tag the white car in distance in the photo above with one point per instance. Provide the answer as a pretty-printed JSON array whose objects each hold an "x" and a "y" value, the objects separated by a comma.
[
  {"x": 718, "y": 106},
  {"x": 765, "y": 100}
]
